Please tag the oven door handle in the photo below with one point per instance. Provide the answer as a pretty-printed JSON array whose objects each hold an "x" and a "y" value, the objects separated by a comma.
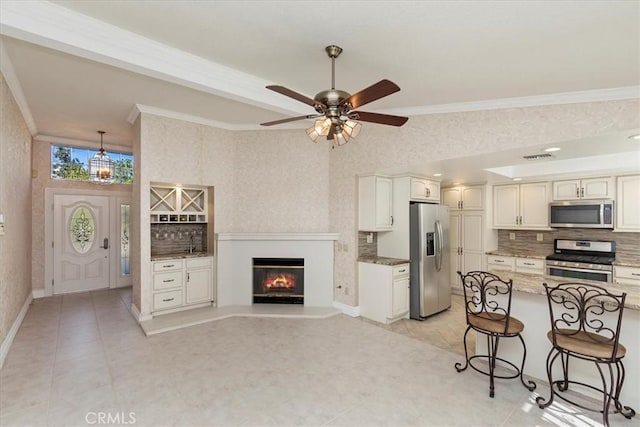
[{"x": 581, "y": 270}]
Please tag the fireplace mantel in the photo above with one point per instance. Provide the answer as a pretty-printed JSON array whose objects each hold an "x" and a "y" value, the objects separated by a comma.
[
  {"x": 236, "y": 251},
  {"x": 278, "y": 236}
]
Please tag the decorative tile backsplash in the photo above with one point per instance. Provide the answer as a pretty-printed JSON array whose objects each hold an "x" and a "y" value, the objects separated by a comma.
[
  {"x": 627, "y": 244},
  {"x": 364, "y": 248},
  {"x": 176, "y": 238}
]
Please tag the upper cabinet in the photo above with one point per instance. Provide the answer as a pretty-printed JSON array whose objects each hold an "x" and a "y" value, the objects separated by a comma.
[
  {"x": 171, "y": 204},
  {"x": 521, "y": 205},
  {"x": 628, "y": 203},
  {"x": 375, "y": 197},
  {"x": 425, "y": 190},
  {"x": 592, "y": 188},
  {"x": 464, "y": 198}
]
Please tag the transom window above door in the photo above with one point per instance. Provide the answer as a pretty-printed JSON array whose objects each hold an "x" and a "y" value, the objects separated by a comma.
[{"x": 72, "y": 163}]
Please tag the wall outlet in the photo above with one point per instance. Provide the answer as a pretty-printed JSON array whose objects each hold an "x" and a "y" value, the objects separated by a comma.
[
  {"x": 512, "y": 236},
  {"x": 539, "y": 237}
]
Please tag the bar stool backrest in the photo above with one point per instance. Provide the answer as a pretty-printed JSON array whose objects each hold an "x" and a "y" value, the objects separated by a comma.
[
  {"x": 487, "y": 294},
  {"x": 589, "y": 312}
]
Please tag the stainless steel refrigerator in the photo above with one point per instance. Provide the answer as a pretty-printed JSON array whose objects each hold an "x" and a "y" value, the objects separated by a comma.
[{"x": 430, "y": 290}]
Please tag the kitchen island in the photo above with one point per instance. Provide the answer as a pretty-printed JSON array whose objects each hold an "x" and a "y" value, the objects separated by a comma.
[{"x": 529, "y": 304}]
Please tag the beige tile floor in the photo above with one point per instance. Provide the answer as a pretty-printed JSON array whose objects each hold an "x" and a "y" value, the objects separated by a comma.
[
  {"x": 81, "y": 356},
  {"x": 443, "y": 330}
]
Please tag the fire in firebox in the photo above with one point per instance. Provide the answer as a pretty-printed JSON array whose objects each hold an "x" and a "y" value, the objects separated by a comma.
[{"x": 278, "y": 280}]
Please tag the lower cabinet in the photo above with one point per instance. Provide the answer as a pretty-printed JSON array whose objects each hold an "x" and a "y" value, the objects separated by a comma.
[
  {"x": 384, "y": 291},
  {"x": 519, "y": 265},
  {"x": 179, "y": 283},
  {"x": 626, "y": 275}
]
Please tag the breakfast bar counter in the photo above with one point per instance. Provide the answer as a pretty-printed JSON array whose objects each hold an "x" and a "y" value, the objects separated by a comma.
[{"x": 529, "y": 305}]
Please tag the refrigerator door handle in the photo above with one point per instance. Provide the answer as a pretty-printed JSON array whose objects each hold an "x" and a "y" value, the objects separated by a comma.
[{"x": 438, "y": 245}]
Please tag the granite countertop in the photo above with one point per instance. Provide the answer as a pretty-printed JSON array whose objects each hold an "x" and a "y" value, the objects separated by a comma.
[
  {"x": 179, "y": 255},
  {"x": 532, "y": 283},
  {"x": 627, "y": 263},
  {"x": 382, "y": 260},
  {"x": 516, "y": 254}
]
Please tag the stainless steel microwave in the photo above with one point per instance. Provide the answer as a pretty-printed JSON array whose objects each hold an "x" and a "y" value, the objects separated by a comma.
[{"x": 581, "y": 214}]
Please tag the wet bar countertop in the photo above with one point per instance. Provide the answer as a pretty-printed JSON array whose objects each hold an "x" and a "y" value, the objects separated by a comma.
[
  {"x": 532, "y": 283},
  {"x": 383, "y": 260},
  {"x": 179, "y": 255}
]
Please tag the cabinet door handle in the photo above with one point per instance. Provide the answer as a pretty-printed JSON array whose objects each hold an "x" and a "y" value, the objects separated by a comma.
[
  {"x": 402, "y": 271},
  {"x": 528, "y": 263},
  {"x": 167, "y": 281},
  {"x": 428, "y": 192},
  {"x": 391, "y": 219},
  {"x": 635, "y": 274},
  {"x": 168, "y": 299},
  {"x": 461, "y": 204},
  {"x": 577, "y": 192},
  {"x": 188, "y": 277},
  {"x": 498, "y": 260},
  {"x": 582, "y": 192},
  {"x": 168, "y": 265}
]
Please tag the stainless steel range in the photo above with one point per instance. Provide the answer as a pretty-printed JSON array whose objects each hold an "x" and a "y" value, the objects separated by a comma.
[{"x": 582, "y": 259}]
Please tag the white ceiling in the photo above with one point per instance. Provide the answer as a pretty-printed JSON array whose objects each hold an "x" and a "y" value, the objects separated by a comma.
[{"x": 79, "y": 66}]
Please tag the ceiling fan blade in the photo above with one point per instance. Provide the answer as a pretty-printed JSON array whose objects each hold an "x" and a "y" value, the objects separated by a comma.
[
  {"x": 376, "y": 91},
  {"x": 383, "y": 119},
  {"x": 291, "y": 94},
  {"x": 290, "y": 119}
]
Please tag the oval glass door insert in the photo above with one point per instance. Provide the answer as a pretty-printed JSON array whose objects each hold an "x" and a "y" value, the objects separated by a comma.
[{"x": 82, "y": 229}]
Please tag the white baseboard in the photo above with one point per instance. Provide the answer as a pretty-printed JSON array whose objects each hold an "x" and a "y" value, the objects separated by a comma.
[
  {"x": 38, "y": 293},
  {"x": 8, "y": 340},
  {"x": 349, "y": 310},
  {"x": 137, "y": 315}
]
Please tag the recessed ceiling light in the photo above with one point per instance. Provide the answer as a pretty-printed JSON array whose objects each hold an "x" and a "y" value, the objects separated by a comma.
[
  {"x": 517, "y": 179},
  {"x": 437, "y": 174},
  {"x": 636, "y": 136},
  {"x": 552, "y": 149}
]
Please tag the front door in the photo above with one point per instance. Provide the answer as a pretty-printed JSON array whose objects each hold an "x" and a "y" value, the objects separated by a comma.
[{"x": 80, "y": 243}]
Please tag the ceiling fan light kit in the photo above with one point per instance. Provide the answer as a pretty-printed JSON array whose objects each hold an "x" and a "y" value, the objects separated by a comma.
[{"x": 336, "y": 120}]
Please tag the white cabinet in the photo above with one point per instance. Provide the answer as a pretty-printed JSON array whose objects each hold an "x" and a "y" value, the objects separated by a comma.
[
  {"x": 521, "y": 205},
  {"x": 497, "y": 262},
  {"x": 375, "y": 197},
  {"x": 464, "y": 198},
  {"x": 628, "y": 203},
  {"x": 198, "y": 282},
  {"x": 592, "y": 188},
  {"x": 626, "y": 275},
  {"x": 425, "y": 190},
  {"x": 517, "y": 264},
  {"x": 384, "y": 291},
  {"x": 173, "y": 204},
  {"x": 529, "y": 265},
  {"x": 180, "y": 283},
  {"x": 466, "y": 250}
]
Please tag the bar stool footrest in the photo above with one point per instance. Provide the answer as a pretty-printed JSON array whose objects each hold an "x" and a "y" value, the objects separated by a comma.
[
  {"x": 498, "y": 359},
  {"x": 626, "y": 411}
]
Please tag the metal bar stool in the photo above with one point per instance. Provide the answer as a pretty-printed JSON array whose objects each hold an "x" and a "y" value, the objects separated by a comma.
[
  {"x": 585, "y": 324},
  {"x": 488, "y": 313}
]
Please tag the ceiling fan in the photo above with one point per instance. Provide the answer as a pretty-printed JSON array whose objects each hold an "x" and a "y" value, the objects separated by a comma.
[{"x": 338, "y": 121}]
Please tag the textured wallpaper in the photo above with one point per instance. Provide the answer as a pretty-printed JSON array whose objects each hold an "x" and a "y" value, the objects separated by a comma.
[{"x": 15, "y": 204}]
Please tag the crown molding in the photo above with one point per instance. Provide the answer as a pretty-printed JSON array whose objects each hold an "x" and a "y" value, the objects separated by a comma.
[
  {"x": 55, "y": 27},
  {"x": 147, "y": 109},
  {"x": 6, "y": 67},
  {"x": 598, "y": 95}
]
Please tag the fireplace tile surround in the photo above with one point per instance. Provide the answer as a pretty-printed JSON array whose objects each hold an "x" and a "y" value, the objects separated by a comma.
[{"x": 236, "y": 251}]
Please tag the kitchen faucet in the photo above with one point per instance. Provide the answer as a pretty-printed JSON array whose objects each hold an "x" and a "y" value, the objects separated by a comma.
[{"x": 192, "y": 245}]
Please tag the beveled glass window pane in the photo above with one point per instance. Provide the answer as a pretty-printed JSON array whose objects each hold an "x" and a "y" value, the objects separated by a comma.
[
  {"x": 82, "y": 230},
  {"x": 125, "y": 267}
]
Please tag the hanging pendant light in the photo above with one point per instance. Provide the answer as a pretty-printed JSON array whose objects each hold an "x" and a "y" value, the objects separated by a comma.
[{"x": 101, "y": 167}]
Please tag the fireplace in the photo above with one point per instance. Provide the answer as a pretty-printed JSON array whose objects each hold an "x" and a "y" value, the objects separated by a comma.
[{"x": 278, "y": 280}]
